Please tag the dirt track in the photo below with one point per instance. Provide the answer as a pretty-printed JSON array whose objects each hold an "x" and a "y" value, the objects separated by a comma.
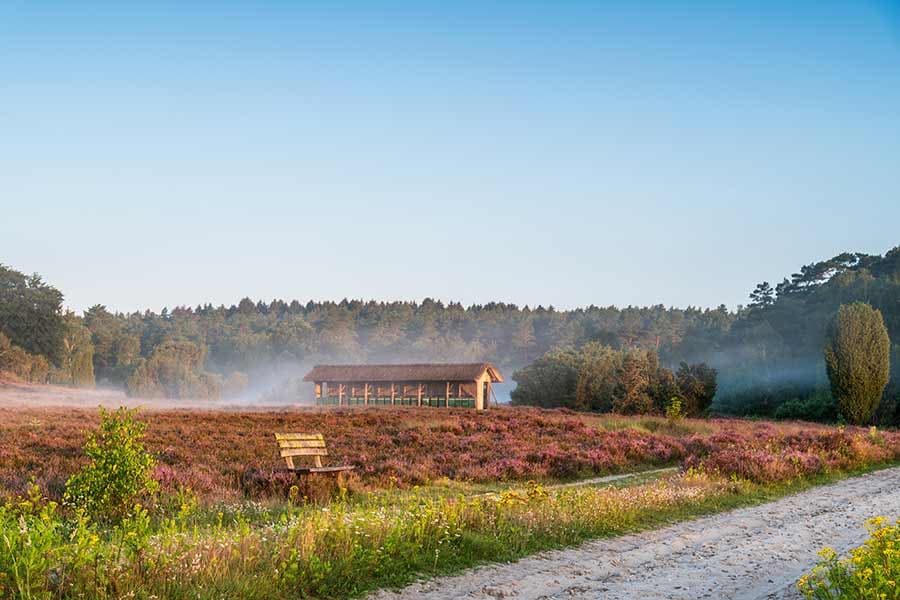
[{"x": 751, "y": 553}]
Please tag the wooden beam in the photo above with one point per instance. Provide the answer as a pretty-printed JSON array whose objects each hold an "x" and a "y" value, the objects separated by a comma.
[
  {"x": 419, "y": 392},
  {"x": 393, "y": 392},
  {"x": 366, "y": 394},
  {"x": 447, "y": 396},
  {"x": 340, "y": 394}
]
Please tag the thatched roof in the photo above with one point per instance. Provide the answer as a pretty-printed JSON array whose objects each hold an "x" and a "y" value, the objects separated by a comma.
[{"x": 417, "y": 372}]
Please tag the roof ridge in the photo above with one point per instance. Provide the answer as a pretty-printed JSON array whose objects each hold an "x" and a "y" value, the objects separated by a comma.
[{"x": 402, "y": 372}]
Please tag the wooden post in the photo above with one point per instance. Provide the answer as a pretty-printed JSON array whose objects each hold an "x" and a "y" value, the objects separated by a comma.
[
  {"x": 340, "y": 394},
  {"x": 487, "y": 400},
  {"x": 447, "y": 396},
  {"x": 419, "y": 392},
  {"x": 392, "y": 393},
  {"x": 479, "y": 394},
  {"x": 366, "y": 394}
]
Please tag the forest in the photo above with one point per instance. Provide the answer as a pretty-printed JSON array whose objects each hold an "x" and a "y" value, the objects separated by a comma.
[{"x": 767, "y": 355}]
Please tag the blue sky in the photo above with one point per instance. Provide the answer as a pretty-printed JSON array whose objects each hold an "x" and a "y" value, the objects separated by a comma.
[{"x": 563, "y": 153}]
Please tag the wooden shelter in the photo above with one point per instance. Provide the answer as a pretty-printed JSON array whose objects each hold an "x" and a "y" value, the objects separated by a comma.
[{"x": 445, "y": 385}]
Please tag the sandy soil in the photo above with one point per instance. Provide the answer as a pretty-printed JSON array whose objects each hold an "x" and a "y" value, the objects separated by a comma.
[{"x": 751, "y": 553}]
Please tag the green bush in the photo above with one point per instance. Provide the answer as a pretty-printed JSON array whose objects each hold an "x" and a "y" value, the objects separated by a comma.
[
  {"x": 819, "y": 407},
  {"x": 119, "y": 471},
  {"x": 674, "y": 412},
  {"x": 601, "y": 378}
]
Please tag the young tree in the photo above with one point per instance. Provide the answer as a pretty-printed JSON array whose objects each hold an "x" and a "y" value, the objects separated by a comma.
[
  {"x": 857, "y": 357},
  {"x": 635, "y": 377},
  {"x": 697, "y": 383},
  {"x": 120, "y": 468},
  {"x": 77, "y": 362}
]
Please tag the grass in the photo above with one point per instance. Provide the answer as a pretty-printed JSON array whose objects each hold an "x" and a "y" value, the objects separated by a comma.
[
  {"x": 383, "y": 530},
  {"x": 351, "y": 546}
]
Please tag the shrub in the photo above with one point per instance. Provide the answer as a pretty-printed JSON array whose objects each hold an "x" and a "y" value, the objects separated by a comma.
[
  {"x": 601, "y": 378},
  {"x": 673, "y": 409},
  {"x": 857, "y": 357},
  {"x": 119, "y": 471},
  {"x": 871, "y": 571},
  {"x": 819, "y": 407}
]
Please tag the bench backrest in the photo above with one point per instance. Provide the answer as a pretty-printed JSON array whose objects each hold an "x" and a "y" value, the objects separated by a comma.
[{"x": 301, "y": 444}]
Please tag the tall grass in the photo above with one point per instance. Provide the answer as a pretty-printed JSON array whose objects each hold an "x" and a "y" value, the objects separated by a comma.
[{"x": 339, "y": 550}]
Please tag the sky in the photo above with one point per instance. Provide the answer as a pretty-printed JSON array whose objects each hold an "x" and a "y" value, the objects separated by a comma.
[{"x": 557, "y": 153}]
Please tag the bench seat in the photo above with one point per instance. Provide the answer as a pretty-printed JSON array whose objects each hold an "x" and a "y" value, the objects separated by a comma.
[
  {"x": 321, "y": 469},
  {"x": 306, "y": 445}
]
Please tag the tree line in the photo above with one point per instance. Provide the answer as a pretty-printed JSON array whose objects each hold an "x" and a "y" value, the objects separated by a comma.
[{"x": 768, "y": 354}]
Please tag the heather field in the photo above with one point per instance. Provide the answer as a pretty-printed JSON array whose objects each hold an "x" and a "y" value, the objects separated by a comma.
[
  {"x": 227, "y": 455},
  {"x": 434, "y": 491}
]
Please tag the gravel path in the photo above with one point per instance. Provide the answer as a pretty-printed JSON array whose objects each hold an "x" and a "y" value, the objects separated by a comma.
[{"x": 749, "y": 553}]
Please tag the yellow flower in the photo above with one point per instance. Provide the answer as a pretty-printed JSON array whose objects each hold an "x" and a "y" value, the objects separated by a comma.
[{"x": 827, "y": 553}]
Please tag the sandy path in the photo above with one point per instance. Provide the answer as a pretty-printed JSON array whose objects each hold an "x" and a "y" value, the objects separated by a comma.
[{"x": 749, "y": 553}]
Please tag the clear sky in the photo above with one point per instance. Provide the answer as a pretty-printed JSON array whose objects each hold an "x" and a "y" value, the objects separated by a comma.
[{"x": 556, "y": 152}]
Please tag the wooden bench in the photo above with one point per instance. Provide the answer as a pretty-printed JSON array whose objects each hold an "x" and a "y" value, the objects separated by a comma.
[{"x": 312, "y": 445}]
